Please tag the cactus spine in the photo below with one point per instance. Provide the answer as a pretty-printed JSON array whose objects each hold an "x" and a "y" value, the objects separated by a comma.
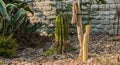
[
  {"x": 61, "y": 32},
  {"x": 85, "y": 43}
]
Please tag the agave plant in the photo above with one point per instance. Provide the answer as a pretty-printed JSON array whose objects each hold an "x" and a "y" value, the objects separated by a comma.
[{"x": 13, "y": 15}]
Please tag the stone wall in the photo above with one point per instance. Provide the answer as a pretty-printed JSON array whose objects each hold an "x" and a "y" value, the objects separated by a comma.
[
  {"x": 43, "y": 11},
  {"x": 102, "y": 16}
]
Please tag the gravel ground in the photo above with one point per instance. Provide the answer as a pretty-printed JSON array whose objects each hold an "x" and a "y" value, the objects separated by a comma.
[{"x": 98, "y": 45}]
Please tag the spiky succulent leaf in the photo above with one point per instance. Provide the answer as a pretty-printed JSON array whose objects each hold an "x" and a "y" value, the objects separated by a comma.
[
  {"x": 3, "y": 10},
  {"x": 19, "y": 13}
]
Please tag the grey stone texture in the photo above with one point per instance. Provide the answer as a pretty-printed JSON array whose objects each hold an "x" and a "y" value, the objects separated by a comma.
[{"x": 103, "y": 18}]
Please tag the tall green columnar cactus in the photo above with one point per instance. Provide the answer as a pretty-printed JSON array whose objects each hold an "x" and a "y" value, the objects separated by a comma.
[{"x": 61, "y": 32}]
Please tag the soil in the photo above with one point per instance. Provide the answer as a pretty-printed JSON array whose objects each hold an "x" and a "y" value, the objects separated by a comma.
[{"x": 103, "y": 50}]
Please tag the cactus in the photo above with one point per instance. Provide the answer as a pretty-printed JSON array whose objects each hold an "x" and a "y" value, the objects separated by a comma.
[
  {"x": 61, "y": 32},
  {"x": 61, "y": 44},
  {"x": 85, "y": 43}
]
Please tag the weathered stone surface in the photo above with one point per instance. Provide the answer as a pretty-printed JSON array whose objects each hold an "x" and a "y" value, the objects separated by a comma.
[
  {"x": 93, "y": 26},
  {"x": 112, "y": 31},
  {"x": 95, "y": 30},
  {"x": 105, "y": 22},
  {"x": 108, "y": 27},
  {"x": 102, "y": 16},
  {"x": 99, "y": 26},
  {"x": 97, "y": 22}
]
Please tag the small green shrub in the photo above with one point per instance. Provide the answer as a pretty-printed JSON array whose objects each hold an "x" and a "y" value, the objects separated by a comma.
[
  {"x": 50, "y": 51},
  {"x": 8, "y": 46},
  {"x": 1, "y": 62}
]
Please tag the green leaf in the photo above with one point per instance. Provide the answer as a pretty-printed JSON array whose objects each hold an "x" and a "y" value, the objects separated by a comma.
[
  {"x": 10, "y": 6},
  {"x": 19, "y": 13},
  {"x": 20, "y": 22},
  {"x": 25, "y": 6},
  {"x": 3, "y": 10},
  {"x": 9, "y": 37}
]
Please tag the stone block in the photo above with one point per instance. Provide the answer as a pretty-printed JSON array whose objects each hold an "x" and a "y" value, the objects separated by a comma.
[
  {"x": 111, "y": 17},
  {"x": 93, "y": 26},
  {"x": 108, "y": 27},
  {"x": 52, "y": 16},
  {"x": 112, "y": 12},
  {"x": 102, "y": 6},
  {"x": 94, "y": 6},
  {"x": 104, "y": 13},
  {"x": 105, "y": 22},
  {"x": 84, "y": 7},
  {"x": 100, "y": 26},
  {"x": 46, "y": 13},
  {"x": 43, "y": 17},
  {"x": 95, "y": 14},
  {"x": 95, "y": 22},
  {"x": 48, "y": 8},
  {"x": 110, "y": 1},
  {"x": 97, "y": 31},
  {"x": 112, "y": 22},
  {"x": 112, "y": 6},
  {"x": 112, "y": 31},
  {"x": 100, "y": 17}
]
